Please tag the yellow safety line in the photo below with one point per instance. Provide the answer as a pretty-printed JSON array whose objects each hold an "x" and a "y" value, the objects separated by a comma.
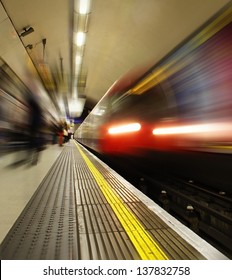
[{"x": 143, "y": 242}]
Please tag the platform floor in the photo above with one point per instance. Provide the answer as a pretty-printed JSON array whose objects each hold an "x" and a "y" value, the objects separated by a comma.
[
  {"x": 84, "y": 210},
  {"x": 18, "y": 181}
]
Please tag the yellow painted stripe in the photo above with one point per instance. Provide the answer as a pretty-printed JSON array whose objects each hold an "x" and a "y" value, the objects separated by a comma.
[{"x": 143, "y": 242}]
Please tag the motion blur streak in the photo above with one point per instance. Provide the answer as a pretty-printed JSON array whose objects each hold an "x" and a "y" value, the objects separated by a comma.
[
  {"x": 189, "y": 129},
  {"x": 127, "y": 128}
]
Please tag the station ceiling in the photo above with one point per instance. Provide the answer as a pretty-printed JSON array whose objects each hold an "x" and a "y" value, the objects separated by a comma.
[{"x": 119, "y": 35}]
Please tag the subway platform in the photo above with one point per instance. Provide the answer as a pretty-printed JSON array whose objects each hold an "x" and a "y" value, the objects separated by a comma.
[{"x": 72, "y": 206}]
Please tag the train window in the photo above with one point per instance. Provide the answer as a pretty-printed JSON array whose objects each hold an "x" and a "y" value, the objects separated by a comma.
[
  {"x": 202, "y": 87},
  {"x": 150, "y": 105}
]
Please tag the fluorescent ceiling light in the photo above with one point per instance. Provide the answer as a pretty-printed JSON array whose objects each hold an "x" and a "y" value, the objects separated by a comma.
[
  {"x": 76, "y": 106},
  {"x": 78, "y": 59},
  {"x": 80, "y": 39},
  {"x": 84, "y": 6}
]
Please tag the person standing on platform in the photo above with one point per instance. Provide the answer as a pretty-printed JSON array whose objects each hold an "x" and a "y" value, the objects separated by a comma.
[
  {"x": 34, "y": 129},
  {"x": 61, "y": 134}
]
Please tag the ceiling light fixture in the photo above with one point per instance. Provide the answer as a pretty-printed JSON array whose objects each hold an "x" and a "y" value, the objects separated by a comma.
[
  {"x": 80, "y": 38},
  {"x": 84, "y": 7}
]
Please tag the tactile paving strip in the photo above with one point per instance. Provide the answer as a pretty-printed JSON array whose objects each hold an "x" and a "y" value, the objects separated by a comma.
[
  {"x": 68, "y": 217},
  {"x": 46, "y": 229}
]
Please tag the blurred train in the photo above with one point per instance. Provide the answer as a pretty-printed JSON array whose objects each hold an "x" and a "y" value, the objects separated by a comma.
[{"x": 183, "y": 102}]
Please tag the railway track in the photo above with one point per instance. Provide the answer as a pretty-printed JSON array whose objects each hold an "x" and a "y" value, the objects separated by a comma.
[{"x": 206, "y": 212}]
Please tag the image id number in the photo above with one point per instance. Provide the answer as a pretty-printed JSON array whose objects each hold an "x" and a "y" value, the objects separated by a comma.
[{"x": 163, "y": 270}]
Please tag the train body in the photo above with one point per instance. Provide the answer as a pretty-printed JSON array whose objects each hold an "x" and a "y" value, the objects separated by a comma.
[{"x": 183, "y": 102}]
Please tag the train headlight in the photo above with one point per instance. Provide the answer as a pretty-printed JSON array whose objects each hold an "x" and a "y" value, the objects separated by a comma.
[{"x": 125, "y": 128}]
